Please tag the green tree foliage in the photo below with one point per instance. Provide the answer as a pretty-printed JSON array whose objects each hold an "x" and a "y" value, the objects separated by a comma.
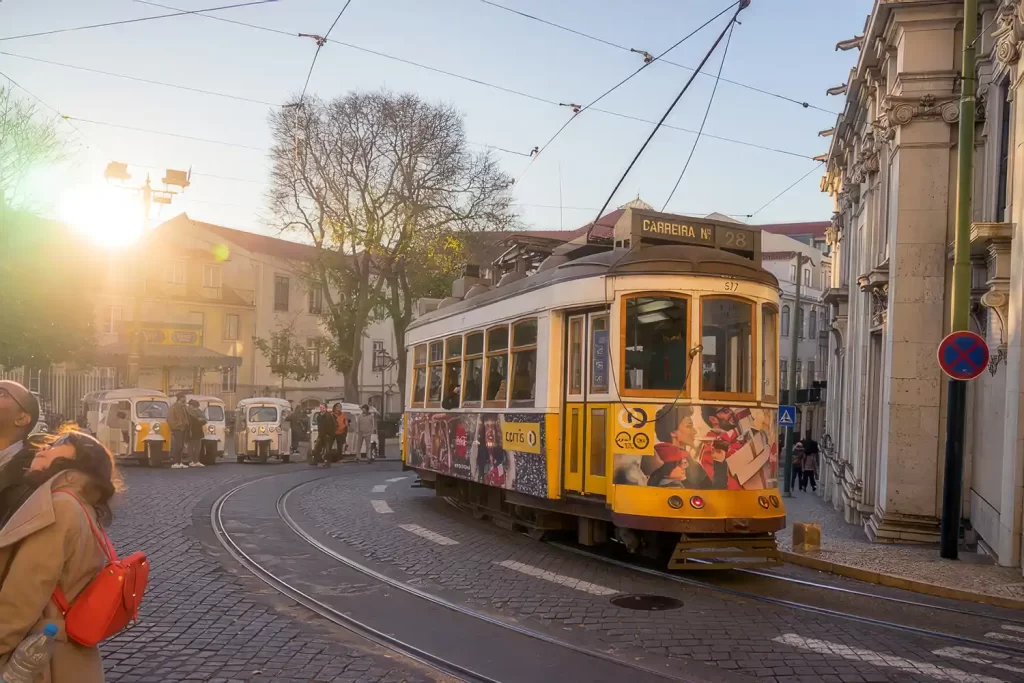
[{"x": 288, "y": 356}]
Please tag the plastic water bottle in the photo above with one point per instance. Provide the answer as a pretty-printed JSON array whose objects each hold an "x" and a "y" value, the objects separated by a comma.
[{"x": 30, "y": 658}]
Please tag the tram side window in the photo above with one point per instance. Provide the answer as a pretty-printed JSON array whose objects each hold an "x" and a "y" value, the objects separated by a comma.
[
  {"x": 435, "y": 366},
  {"x": 497, "y": 366},
  {"x": 656, "y": 343},
  {"x": 726, "y": 365},
  {"x": 769, "y": 352},
  {"x": 452, "y": 372},
  {"x": 474, "y": 369},
  {"x": 419, "y": 387},
  {"x": 524, "y": 362}
]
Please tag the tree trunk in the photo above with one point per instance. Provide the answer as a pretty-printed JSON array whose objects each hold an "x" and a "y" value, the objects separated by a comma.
[
  {"x": 352, "y": 384},
  {"x": 401, "y": 325}
]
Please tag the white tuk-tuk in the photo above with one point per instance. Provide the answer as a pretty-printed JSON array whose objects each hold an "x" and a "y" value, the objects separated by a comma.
[
  {"x": 351, "y": 410},
  {"x": 131, "y": 423},
  {"x": 262, "y": 430},
  {"x": 215, "y": 429}
]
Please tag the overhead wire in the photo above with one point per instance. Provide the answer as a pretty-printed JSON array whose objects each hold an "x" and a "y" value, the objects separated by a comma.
[
  {"x": 177, "y": 13},
  {"x": 707, "y": 111},
  {"x": 776, "y": 197},
  {"x": 165, "y": 133},
  {"x": 615, "y": 87},
  {"x": 588, "y": 36},
  {"x": 319, "y": 44}
]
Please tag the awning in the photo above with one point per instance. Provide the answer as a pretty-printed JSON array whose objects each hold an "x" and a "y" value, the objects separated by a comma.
[{"x": 167, "y": 355}]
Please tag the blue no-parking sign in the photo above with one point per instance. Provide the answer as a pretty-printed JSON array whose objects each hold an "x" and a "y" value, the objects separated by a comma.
[{"x": 787, "y": 416}]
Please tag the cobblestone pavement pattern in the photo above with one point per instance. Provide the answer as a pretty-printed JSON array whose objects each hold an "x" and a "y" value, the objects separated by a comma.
[
  {"x": 768, "y": 642},
  {"x": 201, "y": 623}
]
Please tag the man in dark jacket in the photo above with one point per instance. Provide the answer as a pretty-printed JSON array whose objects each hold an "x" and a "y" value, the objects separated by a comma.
[
  {"x": 177, "y": 422},
  {"x": 326, "y": 425},
  {"x": 19, "y": 412}
]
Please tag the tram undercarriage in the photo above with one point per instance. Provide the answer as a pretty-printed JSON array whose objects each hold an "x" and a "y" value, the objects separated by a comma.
[{"x": 594, "y": 526}]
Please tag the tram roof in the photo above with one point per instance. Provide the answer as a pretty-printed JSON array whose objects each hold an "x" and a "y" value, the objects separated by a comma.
[{"x": 648, "y": 260}]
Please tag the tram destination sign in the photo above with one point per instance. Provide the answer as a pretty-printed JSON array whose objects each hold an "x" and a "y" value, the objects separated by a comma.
[{"x": 667, "y": 228}]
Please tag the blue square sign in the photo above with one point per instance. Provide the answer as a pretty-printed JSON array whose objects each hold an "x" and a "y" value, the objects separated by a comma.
[{"x": 787, "y": 416}]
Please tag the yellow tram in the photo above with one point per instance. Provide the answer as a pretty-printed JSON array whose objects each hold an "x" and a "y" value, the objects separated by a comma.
[{"x": 628, "y": 389}]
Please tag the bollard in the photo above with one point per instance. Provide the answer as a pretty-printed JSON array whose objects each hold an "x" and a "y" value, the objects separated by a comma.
[{"x": 806, "y": 536}]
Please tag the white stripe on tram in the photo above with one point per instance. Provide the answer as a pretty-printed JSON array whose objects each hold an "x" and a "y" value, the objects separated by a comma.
[
  {"x": 560, "y": 579},
  {"x": 428, "y": 534},
  {"x": 884, "y": 659},
  {"x": 379, "y": 488},
  {"x": 381, "y": 506}
]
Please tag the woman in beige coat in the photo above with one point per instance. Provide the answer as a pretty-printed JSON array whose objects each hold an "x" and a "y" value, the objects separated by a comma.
[{"x": 46, "y": 541}]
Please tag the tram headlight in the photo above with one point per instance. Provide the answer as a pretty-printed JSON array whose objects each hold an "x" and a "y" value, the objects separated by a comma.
[
  {"x": 156, "y": 426},
  {"x": 774, "y": 500},
  {"x": 696, "y": 502},
  {"x": 763, "y": 502},
  {"x": 675, "y": 502}
]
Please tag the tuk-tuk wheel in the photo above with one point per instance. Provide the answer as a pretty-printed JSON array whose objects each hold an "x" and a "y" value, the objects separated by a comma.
[
  {"x": 240, "y": 458},
  {"x": 154, "y": 454},
  {"x": 262, "y": 450},
  {"x": 208, "y": 453},
  {"x": 286, "y": 458}
]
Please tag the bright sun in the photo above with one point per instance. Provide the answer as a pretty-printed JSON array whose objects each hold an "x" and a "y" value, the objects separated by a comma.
[{"x": 108, "y": 215}]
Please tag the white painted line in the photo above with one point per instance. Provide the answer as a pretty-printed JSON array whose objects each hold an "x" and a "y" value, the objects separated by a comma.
[
  {"x": 1011, "y": 627},
  {"x": 560, "y": 579},
  {"x": 392, "y": 481},
  {"x": 381, "y": 506},
  {"x": 939, "y": 673},
  {"x": 975, "y": 656},
  {"x": 995, "y": 635},
  {"x": 428, "y": 534},
  {"x": 379, "y": 488}
]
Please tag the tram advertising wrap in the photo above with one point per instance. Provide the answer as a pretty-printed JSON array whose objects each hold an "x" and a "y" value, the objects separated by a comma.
[
  {"x": 696, "y": 447},
  {"x": 505, "y": 450}
]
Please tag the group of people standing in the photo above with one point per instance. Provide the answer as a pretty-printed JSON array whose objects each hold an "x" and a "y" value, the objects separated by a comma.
[
  {"x": 55, "y": 490},
  {"x": 332, "y": 430},
  {"x": 186, "y": 422},
  {"x": 805, "y": 464}
]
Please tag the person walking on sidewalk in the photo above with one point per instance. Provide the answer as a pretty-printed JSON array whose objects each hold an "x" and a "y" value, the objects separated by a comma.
[
  {"x": 365, "y": 424},
  {"x": 196, "y": 425},
  {"x": 177, "y": 422},
  {"x": 798, "y": 467},
  {"x": 810, "y": 468},
  {"x": 341, "y": 430},
  {"x": 326, "y": 426}
]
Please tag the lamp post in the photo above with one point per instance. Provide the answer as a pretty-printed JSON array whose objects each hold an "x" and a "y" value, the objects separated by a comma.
[
  {"x": 383, "y": 362},
  {"x": 795, "y": 327}
]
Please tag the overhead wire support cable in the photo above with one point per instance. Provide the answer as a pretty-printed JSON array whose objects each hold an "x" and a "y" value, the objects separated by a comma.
[
  {"x": 577, "y": 110},
  {"x": 707, "y": 111},
  {"x": 121, "y": 22},
  {"x": 742, "y": 4},
  {"x": 779, "y": 195},
  {"x": 588, "y": 36},
  {"x": 165, "y": 133},
  {"x": 320, "y": 41}
]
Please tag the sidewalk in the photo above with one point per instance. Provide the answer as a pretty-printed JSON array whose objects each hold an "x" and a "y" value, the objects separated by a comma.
[{"x": 845, "y": 550}]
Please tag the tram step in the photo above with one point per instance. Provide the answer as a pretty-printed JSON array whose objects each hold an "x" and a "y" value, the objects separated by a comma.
[{"x": 725, "y": 552}]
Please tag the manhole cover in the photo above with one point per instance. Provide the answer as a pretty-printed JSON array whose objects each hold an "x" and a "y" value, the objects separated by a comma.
[{"x": 648, "y": 603}]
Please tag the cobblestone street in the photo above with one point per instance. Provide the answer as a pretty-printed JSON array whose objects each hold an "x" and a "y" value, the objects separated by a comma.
[{"x": 200, "y": 622}]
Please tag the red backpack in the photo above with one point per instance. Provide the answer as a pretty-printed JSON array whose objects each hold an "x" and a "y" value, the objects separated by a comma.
[{"x": 111, "y": 600}]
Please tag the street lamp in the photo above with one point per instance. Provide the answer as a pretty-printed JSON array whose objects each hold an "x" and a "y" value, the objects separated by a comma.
[{"x": 383, "y": 361}]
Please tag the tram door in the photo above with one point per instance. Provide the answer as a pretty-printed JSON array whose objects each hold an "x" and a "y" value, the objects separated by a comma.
[{"x": 585, "y": 457}]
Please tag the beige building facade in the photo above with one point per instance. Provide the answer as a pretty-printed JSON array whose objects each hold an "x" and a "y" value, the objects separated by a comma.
[{"x": 892, "y": 169}]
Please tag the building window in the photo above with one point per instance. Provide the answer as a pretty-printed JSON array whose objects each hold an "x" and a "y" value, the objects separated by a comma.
[
  {"x": 726, "y": 353},
  {"x": 435, "y": 364},
  {"x": 281, "y": 286},
  {"x": 211, "y": 276},
  {"x": 316, "y": 300},
  {"x": 784, "y": 322},
  {"x": 1004, "y": 151},
  {"x": 792, "y": 273},
  {"x": 230, "y": 327},
  {"x": 799, "y": 376},
  {"x": 811, "y": 379},
  {"x": 419, "y": 385},
  {"x": 656, "y": 338},
  {"x": 813, "y": 325},
  {"x": 783, "y": 368},
  {"x": 111, "y": 318},
  {"x": 229, "y": 379},
  {"x": 452, "y": 371},
  {"x": 176, "y": 272},
  {"x": 524, "y": 362},
  {"x": 800, "y": 322},
  {"x": 807, "y": 277},
  {"x": 312, "y": 354},
  {"x": 497, "y": 366},
  {"x": 769, "y": 352},
  {"x": 473, "y": 372},
  {"x": 378, "y": 355}
]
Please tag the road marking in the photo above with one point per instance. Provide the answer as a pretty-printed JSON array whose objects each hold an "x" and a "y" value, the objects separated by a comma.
[
  {"x": 428, "y": 534},
  {"x": 976, "y": 656},
  {"x": 939, "y": 673},
  {"x": 379, "y": 488},
  {"x": 1010, "y": 627},
  {"x": 381, "y": 506},
  {"x": 995, "y": 635},
  {"x": 392, "y": 481},
  {"x": 560, "y": 579}
]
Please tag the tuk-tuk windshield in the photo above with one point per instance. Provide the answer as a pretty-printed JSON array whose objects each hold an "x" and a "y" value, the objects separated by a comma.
[
  {"x": 151, "y": 409},
  {"x": 215, "y": 413},
  {"x": 263, "y": 414}
]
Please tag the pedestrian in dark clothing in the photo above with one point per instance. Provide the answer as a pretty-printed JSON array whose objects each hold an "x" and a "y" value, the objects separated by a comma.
[
  {"x": 341, "y": 429},
  {"x": 810, "y": 468},
  {"x": 326, "y": 426},
  {"x": 798, "y": 467},
  {"x": 298, "y": 428},
  {"x": 196, "y": 425},
  {"x": 177, "y": 421}
]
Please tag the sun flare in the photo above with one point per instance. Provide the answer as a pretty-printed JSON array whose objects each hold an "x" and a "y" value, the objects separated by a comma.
[{"x": 107, "y": 215}]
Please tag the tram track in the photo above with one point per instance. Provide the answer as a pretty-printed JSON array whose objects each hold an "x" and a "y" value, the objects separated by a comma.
[
  {"x": 360, "y": 627},
  {"x": 817, "y": 609}
]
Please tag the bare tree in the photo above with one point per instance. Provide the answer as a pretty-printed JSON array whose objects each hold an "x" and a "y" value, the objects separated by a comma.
[
  {"x": 26, "y": 141},
  {"x": 369, "y": 178},
  {"x": 288, "y": 357}
]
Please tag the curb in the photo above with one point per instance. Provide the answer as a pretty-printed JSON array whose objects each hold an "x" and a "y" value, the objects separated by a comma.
[{"x": 893, "y": 581}]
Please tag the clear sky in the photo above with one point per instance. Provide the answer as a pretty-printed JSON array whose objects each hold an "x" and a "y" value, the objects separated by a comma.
[{"x": 784, "y": 46}]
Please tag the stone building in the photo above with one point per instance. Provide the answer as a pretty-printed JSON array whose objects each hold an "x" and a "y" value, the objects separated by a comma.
[{"x": 892, "y": 169}]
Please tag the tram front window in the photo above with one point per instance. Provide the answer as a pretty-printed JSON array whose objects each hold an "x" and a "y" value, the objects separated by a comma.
[
  {"x": 726, "y": 357},
  {"x": 656, "y": 338}
]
